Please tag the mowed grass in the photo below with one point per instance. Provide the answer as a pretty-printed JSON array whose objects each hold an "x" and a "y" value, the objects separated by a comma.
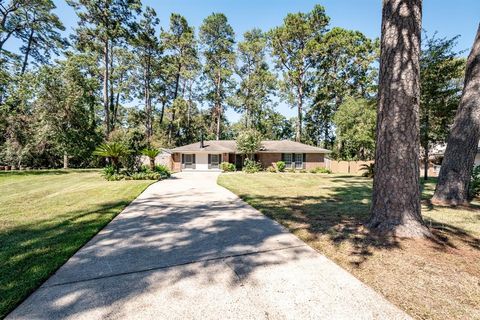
[
  {"x": 429, "y": 279},
  {"x": 45, "y": 217}
]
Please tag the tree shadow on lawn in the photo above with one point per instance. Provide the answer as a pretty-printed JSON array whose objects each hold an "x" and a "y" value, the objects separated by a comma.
[
  {"x": 162, "y": 244},
  {"x": 30, "y": 253},
  {"x": 340, "y": 217},
  {"x": 38, "y": 172}
]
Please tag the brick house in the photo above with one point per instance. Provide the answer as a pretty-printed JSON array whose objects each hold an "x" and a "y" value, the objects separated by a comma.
[{"x": 207, "y": 155}]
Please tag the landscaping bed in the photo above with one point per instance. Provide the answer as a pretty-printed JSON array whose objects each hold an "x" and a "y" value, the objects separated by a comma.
[{"x": 429, "y": 279}]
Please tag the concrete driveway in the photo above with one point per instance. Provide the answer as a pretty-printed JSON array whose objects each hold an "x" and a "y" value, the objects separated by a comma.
[{"x": 187, "y": 248}]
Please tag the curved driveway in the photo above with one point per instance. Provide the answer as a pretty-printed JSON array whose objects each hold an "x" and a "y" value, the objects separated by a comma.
[{"x": 187, "y": 248}]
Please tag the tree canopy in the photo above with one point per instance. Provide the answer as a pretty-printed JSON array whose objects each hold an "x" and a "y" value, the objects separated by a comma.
[{"x": 122, "y": 77}]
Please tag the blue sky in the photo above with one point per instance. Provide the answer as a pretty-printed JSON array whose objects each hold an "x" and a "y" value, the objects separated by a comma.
[{"x": 448, "y": 17}]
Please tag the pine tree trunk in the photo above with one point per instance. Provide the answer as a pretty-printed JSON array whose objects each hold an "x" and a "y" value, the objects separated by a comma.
[
  {"x": 298, "y": 131},
  {"x": 218, "y": 105},
  {"x": 426, "y": 145},
  {"x": 65, "y": 160},
  {"x": 27, "y": 51},
  {"x": 396, "y": 188},
  {"x": 462, "y": 144},
  {"x": 111, "y": 97},
  {"x": 175, "y": 95},
  {"x": 106, "y": 79},
  {"x": 148, "y": 103}
]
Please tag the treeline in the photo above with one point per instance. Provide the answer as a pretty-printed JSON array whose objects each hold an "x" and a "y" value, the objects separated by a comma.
[{"x": 121, "y": 77}]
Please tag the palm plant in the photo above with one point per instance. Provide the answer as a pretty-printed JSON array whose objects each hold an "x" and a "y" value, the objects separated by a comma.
[
  {"x": 151, "y": 154},
  {"x": 368, "y": 170},
  {"x": 113, "y": 151}
]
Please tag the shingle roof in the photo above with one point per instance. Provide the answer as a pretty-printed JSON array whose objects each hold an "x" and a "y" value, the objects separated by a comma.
[
  {"x": 209, "y": 145},
  {"x": 267, "y": 146},
  {"x": 290, "y": 146}
]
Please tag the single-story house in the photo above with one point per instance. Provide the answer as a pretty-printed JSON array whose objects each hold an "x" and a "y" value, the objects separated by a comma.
[{"x": 208, "y": 155}]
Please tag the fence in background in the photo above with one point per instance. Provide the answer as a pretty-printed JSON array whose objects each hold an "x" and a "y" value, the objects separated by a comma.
[{"x": 350, "y": 167}]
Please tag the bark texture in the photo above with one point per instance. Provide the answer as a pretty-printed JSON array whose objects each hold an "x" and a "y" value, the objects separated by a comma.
[
  {"x": 396, "y": 188},
  {"x": 462, "y": 144},
  {"x": 106, "y": 79}
]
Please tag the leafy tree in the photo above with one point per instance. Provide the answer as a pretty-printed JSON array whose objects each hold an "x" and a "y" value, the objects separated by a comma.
[
  {"x": 65, "y": 110},
  {"x": 457, "y": 165},
  {"x": 217, "y": 39},
  {"x": 249, "y": 142},
  {"x": 40, "y": 32},
  {"x": 441, "y": 72},
  {"x": 102, "y": 25},
  {"x": 295, "y": 47},
  {"x": 17, "y": 120},
  {"x": 396, "y": 205},
  {"x": 181, "y": 65},
  {"x": 147, "y": 49},
  {"x": 11, "y": 20},
  {"x": 346, "y": 68},
  {"x": 271, "y": 124},
  {"x": 355, "y": 129},
  {"x": 257, "y": 83}
]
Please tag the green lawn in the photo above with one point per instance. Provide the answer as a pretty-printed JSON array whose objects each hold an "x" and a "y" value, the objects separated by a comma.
[
  {"x": 429, "y": 279},
  {"x": 45, "y": 217}
]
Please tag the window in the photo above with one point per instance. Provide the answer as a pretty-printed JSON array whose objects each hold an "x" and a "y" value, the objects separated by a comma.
[
  {"x": 298, "y": 160},
  {"x": 287, "y": 158},
  {"x": 215, "y": 160},
  {"x": 188, "y": 160}
]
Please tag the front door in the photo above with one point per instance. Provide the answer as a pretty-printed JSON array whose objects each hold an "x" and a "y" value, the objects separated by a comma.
[{"x": 239, "y": 161}]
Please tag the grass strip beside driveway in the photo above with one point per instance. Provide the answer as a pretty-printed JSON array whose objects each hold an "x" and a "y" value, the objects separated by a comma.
[
  {"x": 45, "y": 217},
  {"x": 429, "y": 279}
]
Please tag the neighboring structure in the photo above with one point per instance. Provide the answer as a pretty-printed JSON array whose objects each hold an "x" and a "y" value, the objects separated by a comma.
[
  {"x": 436, "y": 157},
  {"x": 207, "y": 155}
]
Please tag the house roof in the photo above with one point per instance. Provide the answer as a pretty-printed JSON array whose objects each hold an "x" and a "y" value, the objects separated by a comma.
[{"x": 271, "y": 146}]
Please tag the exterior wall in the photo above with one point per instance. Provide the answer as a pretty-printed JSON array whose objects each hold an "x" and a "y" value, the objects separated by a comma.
[
  {"x": 176, "y": 162},
  {"x": 224, "y": 158},
  {"x": 268, "y": 159},
  {"x": 201, "y": 161},
  {"x": 314, "y": 160},
  {"x": 163, "y": 158}
]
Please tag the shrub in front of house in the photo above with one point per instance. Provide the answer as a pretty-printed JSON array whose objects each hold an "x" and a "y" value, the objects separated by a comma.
[
  {"x": 115, "y": 177},
  {"x": 271, "y": 169},
  {"x": 320, "y": 170},
  {"x": 108, "y": 171},
  {"x": 251, "y": 166},
  {"x": 290, "y": 170},
  {"x": 144, "y": 176},
  {"x": 280, "y": 165},
  {"x": 227, "y": 167},
  {"x": 162, "y": 170}
]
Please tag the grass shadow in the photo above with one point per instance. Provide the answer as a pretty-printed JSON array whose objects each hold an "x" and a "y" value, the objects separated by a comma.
[{"x": 340, "y": 214}]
